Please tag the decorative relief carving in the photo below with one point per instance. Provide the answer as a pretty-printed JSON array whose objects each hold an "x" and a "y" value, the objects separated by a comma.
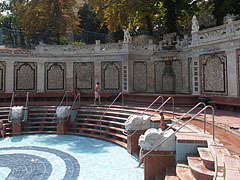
[
  {"x": 152, "y": 137},
  {"x": 213, "y": 35},
  {"x": 159, "y": 67},
  {"x": 2, "y": 75},
  {"x": 25, "y": 76},
  {"x": 112, "y": 75},
  {"x": 140, "y": 76},
  {"x": 106, "y": 47},
  {"x": 83, "y": 75},
  {"x": 213, "y": 73},
  {"x": 55, "y": 76},
  {"x": 135, "y": 122}
]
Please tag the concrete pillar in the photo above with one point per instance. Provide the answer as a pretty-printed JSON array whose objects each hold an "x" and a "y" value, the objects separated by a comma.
[
  {"x": 60, "y": 127},
  {"x": 16, "y": 128},
  {"x": 156, "y": 162},
  {"x": 232, "y": 72},
  {"x": 40, "y": 77},
  {"x": 9, "y": 76},
  {"x": 132, "y": 142}
]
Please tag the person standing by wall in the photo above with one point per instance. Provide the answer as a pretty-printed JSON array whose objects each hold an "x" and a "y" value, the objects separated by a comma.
[{"x": 97, "y": 93}]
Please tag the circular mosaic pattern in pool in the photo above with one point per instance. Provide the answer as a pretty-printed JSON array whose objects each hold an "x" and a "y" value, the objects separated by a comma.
[
  {"x": 59, "y": 157},
  {"x": 24, "y": 166}
]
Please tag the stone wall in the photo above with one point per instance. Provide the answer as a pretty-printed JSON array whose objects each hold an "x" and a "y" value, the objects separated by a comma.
[{"x": 206, "y": 63}]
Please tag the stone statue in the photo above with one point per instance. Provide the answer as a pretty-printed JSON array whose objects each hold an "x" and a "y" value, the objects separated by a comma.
[
  {"x": 127, "y": 37},
  {"x": 16, "y": 113},
  {"x": 195, "y": 25},
  {"x": 135, "y": 122},
  {"x": 63, "y": 111},
  {"x": 153, "y": 137}
]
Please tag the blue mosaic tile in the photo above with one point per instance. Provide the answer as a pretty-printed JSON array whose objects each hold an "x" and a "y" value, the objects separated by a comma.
[{"x": 24, "y": 166}]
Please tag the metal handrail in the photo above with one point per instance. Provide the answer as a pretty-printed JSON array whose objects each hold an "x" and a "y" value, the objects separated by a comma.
[
  {"x": 74, "y": 101},
  {"x": 27, "y": 99},
  {"x": 60, "y": 104},
  {"x": 10, "y": 108},
  {"x": 168, "y": 99},
  {"x": 152, "y": 104},
  {"x": 106, "y": 111},
  {"x": 208, "y": 106},
  {"x": 201, "y": 103},
  {"x": 129, "y": 135}
]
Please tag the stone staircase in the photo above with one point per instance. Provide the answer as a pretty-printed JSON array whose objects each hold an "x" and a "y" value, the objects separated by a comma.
[
  {"x": 4, "y": 113},
  {"x": 91, "y": 122},
  {"x": 40, "y": 120},
  {"x": 213, "y": 161}
]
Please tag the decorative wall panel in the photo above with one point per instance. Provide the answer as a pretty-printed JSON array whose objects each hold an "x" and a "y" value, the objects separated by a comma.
[
  {"x": 140, "y": 76},
  {"x": 83, "y": 75},
  {"x": 111, "y": 75},
  {"x": 55, "y": 76},
  {"x": 159, "y": 67},
  {"x": 177, "y": 68},
  {"x": 25, "y": 76},
  {"x": 2, "y": 75},
  {"x": 214, "y": 73}
]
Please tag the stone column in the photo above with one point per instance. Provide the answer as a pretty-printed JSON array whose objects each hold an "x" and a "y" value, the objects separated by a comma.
[
  {"x": 9, "y": 75},
  {"x": 232, "y": 72},
  {"x": 40, "y": 76},
  {"x": 196, "y": 74},
  {"x": 69, "y": 75},
  {"x": 97, "y": 72}
]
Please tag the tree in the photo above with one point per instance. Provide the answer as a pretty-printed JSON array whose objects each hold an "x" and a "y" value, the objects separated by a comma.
[
  {"x": 89, "y": 20},
  {"x": 53, "y": 17}
]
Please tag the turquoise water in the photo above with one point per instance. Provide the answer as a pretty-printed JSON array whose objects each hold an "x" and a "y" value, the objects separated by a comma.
[{"x": 57, "y": 157}]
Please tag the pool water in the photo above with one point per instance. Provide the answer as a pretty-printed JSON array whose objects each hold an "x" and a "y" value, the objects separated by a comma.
[{"x": 65, "y": 157}]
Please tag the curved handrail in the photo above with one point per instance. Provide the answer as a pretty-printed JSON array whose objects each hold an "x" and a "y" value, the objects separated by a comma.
[
  {"x": 74, "y": 101},
  {"x": 129, "y": 135},
  {"x": 65, "y": 93},
  {"x": 107, "y": 109},
  {"x": 152, "y": 104},
  {"x": 201, "y": 103},
  {"x": 208, "y": 106},
  {"x": 27, "y": 99}
]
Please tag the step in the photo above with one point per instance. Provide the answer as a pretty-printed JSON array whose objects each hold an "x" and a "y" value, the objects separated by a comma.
[
  {"x": 171, "y": 173},
  {"x": 198, "y": 169},
  {"x": 121, "y": 143},
  {"x": 232, "y": 167},
  {"x": 207, "y": 158},
  {"x": 183, "y": 172},
  {"x": 219, "y": 151}
]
